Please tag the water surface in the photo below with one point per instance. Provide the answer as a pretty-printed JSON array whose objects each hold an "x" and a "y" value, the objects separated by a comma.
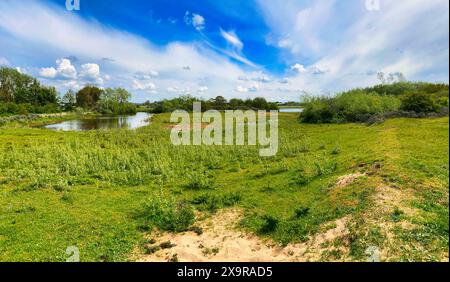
[
  {"x": 291, "y": 110},
  {"x": 103, "y": 123}
]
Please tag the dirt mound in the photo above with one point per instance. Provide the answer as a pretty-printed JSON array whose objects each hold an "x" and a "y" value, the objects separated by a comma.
[{"x": 221, "y": 242}]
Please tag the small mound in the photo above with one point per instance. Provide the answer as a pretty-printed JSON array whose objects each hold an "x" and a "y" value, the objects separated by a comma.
[{"x": 219, "y": 241}]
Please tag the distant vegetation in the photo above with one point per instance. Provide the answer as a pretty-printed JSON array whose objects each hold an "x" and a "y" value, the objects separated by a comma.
[
  {"x": 21, "y": 94},
  {"x": 373, "y": 104},
  {"x": 110, "y": 101},
  {"x": 219, "y": 103}
]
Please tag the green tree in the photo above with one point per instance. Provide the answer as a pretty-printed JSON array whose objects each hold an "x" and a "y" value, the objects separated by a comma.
[
  {"x": 19, "y": 88},
  {"x": 69, "y": 100},
  {"x": 115, "y": 101},
  {"x": 419, "y": 102},
  {"x": 122, "y": 95},
  {"x": 88, "y": 97},
  {"x": 260, "y": 103},
  {"x": 220, "y": 103}
]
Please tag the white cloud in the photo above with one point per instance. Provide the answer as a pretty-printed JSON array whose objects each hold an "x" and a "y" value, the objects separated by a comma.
[
  {"x": 298, "y": 68},
  {"x": 285, "y": 43},
  {"x": 318, "y": 70},
  {"x": 345, "y": 45},
  {"x": 72, "y": 84},
  {"x": 143, "y": 86},
  {"x": 172, "y": 89},
  {"x": 146, "y": 75},
  {"x": 65, "y": 69},
  {"x": 241, "y": 89},
  {"x": 198, "y": 21},
  {"x": 128, "y": 54},
  {"x": 48, "y": 72},
  {"x": 262, "y": 77},
  {"x": 90, "y": 71},
  {"x": 232, "y": 39},
  {"x": 342, "y": 56},
  {"x": 258, "y": 76},
  {"x": 284, "y": 80},
  {"x": 202, "y": 89},
  {"x": 254, "y": 87}
]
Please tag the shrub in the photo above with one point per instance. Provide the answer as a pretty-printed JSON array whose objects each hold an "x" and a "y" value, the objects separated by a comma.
[
  {"x": 168, "y": 215},
  {"x": 352, "y": 106},
  {"x": 199, "y": 181},
  {"x": 373, "y": 105},
  {"x": 420, "y": 103},
  {"x": 25, "y": 109},
  {"x": 270, "y": 224},
  {"x": 301, "y": 212},
  {"x": 317, "y": 110},
  {"x": 212, "y": 202}
]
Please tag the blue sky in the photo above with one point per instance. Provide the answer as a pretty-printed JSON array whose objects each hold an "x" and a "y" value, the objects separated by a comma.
[{"x": 274, "y": 49}]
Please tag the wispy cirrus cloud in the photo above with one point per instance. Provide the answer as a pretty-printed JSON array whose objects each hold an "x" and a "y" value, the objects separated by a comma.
[{"x": 336, "y": 46}]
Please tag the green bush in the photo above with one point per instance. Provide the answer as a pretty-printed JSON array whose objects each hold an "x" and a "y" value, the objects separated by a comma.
[
  {"x": 373, "y": 104},
  {"x": 317, "y": 110},
  {"x": 212, "y": 202},
  {"x": 26, "y": 108},
  {"x": 167, "y": 214},
  {"x": 352, "y": 106},
  {"x": 357, "y": 106},
  {"x": 199, "y": 181},
  {"x": 270, "y": 224},
  {"x": 420, "y": 103}
]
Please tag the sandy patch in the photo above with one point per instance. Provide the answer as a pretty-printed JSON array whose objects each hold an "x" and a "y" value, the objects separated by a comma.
[
  {"x": 348, "y": 179},
  {"x": 222, "y": 242},
  {"x": 387, "y": 198}
]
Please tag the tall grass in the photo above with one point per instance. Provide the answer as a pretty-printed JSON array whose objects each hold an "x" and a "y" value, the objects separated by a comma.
[{"x": 97, "y": 188}]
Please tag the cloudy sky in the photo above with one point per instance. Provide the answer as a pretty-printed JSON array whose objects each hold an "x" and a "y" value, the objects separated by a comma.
[{"x": 274, "y": 49}]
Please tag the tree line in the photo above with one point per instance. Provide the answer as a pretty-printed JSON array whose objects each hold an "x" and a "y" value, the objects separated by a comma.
[
  {"x": 23, "y": 94},
  {"x": 105, "y": 101},
  {"x": 219, "y": 103}
]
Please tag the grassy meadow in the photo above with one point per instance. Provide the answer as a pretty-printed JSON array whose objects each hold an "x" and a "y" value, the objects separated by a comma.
[{"x": 102, "y": 190}]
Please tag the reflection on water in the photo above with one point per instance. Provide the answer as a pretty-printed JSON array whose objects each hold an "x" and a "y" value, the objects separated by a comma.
[
  {"x": 291, "y": 110},
  {"x": 104, "y": 122}
]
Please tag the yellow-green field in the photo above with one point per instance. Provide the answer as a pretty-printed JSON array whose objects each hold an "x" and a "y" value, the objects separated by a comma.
[{"x": 91, "y": 189}]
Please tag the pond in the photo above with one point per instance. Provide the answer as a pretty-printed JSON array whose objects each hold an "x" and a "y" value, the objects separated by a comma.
[
  {"x": 103, "y": 123},
  {"x": 291, "y": 110}
]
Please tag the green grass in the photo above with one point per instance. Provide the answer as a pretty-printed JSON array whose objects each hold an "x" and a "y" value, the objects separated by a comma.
[{"x": 93, "y": 189}]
